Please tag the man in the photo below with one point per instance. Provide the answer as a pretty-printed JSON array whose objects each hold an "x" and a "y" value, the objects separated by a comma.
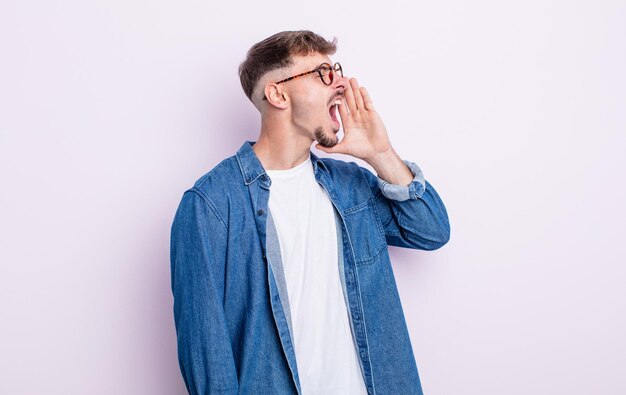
[{"x": 281, "y": 276}]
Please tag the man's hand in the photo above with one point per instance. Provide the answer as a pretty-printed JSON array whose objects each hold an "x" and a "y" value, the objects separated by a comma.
[{"x": 365, "y": 136}]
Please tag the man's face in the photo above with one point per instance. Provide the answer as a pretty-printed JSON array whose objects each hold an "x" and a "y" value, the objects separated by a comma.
[{"x": 312, "y": 102}]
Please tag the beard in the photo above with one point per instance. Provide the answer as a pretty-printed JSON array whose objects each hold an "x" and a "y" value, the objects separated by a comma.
[{"x": 324, "y": 139}]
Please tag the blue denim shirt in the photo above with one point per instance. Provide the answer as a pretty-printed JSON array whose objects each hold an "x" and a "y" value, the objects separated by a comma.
[{"x": 231, "y": 308}]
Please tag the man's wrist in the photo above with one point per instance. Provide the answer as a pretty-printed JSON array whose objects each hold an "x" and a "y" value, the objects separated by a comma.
[
  {"x": 391, "y": 168},
  {"x": 400, "y": 193}
]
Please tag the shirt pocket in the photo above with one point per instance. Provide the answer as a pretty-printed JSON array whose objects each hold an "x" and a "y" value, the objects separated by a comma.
[{"x": 365, "y": 231}]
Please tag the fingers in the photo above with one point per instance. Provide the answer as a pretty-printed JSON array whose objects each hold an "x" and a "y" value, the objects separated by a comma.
[
  {"x": 343, "y": 110},
  {"x": 349, "y": 95},
  {"x": 357, "y": 94},
  {"x": 366, "y": 99},
  {"x": 357, "y": 97}
]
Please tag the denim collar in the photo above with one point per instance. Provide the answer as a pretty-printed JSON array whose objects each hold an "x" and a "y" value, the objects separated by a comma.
[{"x": 251, "y": 167}]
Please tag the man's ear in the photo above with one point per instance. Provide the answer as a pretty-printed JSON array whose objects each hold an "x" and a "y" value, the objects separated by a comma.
[{"x": 275, "y": 96}]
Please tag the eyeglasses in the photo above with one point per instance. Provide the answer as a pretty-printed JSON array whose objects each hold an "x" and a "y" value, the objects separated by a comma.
[{"x": 325, "y": 71}]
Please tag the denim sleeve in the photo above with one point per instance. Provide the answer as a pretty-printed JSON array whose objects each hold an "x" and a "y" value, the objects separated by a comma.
[
  {"x": 403, "y": 192},
  {"x": 413, "y": 216},
  {"x": 197, "y": 252}
]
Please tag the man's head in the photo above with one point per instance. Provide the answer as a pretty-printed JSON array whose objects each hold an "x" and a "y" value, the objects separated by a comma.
[{"x": 304, "y": 103}]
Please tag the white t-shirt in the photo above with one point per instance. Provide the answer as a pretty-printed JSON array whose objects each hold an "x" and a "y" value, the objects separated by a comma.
[{"x": 304, "y": 219}]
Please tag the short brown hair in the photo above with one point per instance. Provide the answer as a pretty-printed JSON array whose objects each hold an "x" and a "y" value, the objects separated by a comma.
[{"x": 276, "y": 52}]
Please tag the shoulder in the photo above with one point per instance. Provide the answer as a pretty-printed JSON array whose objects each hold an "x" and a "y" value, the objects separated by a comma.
[
  {"x": 342, "y": 171},
  {"x": 219, "y": 184},
  {"x": 339, "y": 168},
  {"x": 220, "y": 177}
]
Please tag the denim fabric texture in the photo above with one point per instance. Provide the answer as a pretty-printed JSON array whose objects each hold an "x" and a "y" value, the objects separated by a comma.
[{"x": 231, "y": 308}]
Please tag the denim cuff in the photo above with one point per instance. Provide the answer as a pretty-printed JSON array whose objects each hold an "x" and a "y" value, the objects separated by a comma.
[{"x": 404, "y": 192}]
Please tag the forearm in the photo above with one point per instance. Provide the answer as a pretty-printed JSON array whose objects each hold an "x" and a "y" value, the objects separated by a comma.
[
  {"x": 390, "y": 167},
  {"x": 413, "y": 215},
  {"x": 420, "y": 223}
]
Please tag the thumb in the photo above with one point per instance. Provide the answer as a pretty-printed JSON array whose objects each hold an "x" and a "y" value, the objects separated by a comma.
[{"x": 331, "y": 150}]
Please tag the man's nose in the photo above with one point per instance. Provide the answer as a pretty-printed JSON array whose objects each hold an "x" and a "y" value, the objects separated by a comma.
[{"x": 340, "y": 82}]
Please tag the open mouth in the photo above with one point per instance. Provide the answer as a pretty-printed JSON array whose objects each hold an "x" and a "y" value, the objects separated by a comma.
[{"x": 333, "y": 110}]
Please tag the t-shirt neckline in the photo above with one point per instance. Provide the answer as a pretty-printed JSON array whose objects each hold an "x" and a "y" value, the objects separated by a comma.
[{"x": 287, "y": 173}]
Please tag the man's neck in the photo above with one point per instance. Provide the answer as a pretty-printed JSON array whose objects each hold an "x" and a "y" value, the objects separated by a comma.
[{"x": 280, "y": 149}]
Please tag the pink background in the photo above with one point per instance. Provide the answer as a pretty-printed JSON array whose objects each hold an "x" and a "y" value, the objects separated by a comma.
[{"x": 514, "y": 110}]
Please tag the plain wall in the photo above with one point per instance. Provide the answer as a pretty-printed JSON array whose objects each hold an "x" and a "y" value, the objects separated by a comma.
[{"x": 515, "y": 111}]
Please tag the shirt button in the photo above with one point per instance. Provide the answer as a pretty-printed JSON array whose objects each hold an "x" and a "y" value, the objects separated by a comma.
[{"x": 260, "y": 212}]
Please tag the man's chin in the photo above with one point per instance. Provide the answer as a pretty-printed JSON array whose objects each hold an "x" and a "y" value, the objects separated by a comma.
[
  {"x": 327, "y": 143},
  {"x": 324, "y": 139}
]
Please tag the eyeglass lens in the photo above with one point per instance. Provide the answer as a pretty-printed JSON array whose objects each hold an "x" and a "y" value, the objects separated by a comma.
[{"x": 328, "y": 74}]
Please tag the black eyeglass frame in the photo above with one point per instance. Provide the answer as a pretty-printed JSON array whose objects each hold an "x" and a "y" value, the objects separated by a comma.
[{"x": 336, "y": 68}]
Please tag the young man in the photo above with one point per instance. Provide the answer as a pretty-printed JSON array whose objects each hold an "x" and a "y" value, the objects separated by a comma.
[{"x": 281, "y": 276}]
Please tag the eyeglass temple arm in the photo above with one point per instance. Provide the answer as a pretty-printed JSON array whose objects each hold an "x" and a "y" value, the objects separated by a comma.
[{"x": 335, "y": 67}]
